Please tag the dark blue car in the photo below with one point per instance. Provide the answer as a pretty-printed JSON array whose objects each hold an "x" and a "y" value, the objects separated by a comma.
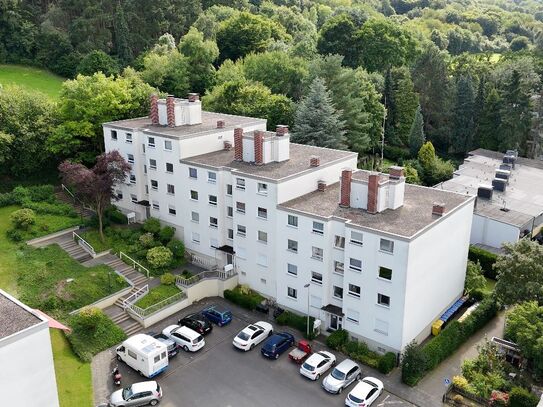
[
  {"x": 218, "y": 315},
  {"x": 277, "y": 344}
]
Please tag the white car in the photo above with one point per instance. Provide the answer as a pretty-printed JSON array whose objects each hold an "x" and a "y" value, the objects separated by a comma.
[
  {"x": 252, "y": 335},
  {"x": 365, "y": 392},
  {"x": 137, "y": 394},
  {"x": 185, "y": 337},
  {"x": 317, "y": 364}
]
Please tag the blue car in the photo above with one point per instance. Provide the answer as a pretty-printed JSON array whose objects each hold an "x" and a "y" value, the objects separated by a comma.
[
  {"x": 218, "y": 315},
  {"x": 277, "y": 344}
]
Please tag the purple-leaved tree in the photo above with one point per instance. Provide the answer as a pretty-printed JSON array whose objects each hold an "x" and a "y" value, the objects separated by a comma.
[{"x": 94, "y": 186}]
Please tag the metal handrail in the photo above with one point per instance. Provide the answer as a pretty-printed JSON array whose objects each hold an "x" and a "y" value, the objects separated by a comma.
[
  {"x": 220, "y": 275},
  {"x": 144, "y": 312},
  {"x": 84, "y": 244},
  {"x": 139, "y": 267},
  {"x": 130, "y": 300},
  {"x": 75, "y": 198}
]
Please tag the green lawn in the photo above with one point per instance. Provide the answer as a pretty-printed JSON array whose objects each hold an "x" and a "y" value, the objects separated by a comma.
[
  {"x": 157, "y": 294},
  {"x": 74, "y": 380},
  {"x": 92, "y": 236},
  {"x": 33, "y": 79}
]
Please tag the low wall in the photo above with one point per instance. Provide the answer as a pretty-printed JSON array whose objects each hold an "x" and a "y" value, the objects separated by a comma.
[
  {"x": 212, "y": 287},
  {"x": 160, "y": 315},
  {"x": 52, "y": 235}
]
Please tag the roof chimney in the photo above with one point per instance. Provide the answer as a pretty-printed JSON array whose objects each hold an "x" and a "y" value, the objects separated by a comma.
[
  {"x": 259, "y": 147},
  {"x": 220, "y": 124},
  {"x": 395, "y": 172},
  {"x": 193, "y": 97},
  {"x": 281, "y": 130},
  {"x": 153, "y": 111},
  {"x": 438, "y": 209},
  {"x": 321, "y": 186},
  {"x": 373, "y": 192},
  {"x": 238, "y": 144},
  {"x": 314, "y": 161},
  {"x": 170, "y": 110},
  {"x": 345, "y": 197}
]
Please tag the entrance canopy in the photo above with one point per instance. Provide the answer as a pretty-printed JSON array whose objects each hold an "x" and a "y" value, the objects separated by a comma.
[
  {"x": 333, "y": 309},
  {"x": 227, "y": 249}
]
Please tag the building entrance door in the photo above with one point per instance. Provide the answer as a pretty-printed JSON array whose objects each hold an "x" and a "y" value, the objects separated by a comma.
[
  {"x": 335, "y": 322},
  {"x": 229, "y": 258}
]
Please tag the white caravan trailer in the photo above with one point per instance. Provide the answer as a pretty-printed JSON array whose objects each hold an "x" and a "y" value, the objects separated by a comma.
[{"x": 144, "y": 354}]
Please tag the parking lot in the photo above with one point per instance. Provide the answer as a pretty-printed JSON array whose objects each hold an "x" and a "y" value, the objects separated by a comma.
[{"x": 221, "y": 376}]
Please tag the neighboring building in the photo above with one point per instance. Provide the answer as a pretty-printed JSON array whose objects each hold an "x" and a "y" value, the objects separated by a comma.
[
  {"x": 382, "y": 259},
  {"x": 509, "y": 192},
  {"x": 27, "y": 374}
]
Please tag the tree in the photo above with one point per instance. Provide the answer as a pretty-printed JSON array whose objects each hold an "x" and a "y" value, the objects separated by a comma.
[
  {"x": 519, "y": 43},
  {"x": 475, "y": 279},
  {"x": 337, "y": 36},
  {"x": 520, "y": 273},
  {"x": 94, "y": 186},
  {"x": 200, "y": 55},
  {"x": 413, "y": 364},
  {"x": 464, "y": 109},
  {"x": 416, "y": 135},
  {"x": 167, "y": 71},
  {"x": 487, "y": 134},
  {"x": 427, "y": 155},
  {"x": 434, "y": 169},
  {"x": 121, "y": 36},
  {"x": 98, "y": 61},
  {"x": 316, "y": 121}
]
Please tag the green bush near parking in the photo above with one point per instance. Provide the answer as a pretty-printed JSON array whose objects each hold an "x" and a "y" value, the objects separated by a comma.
[
  {"x": 247, "y": 299},
  {"x": 519, "y": 397},
  {"x": 485, "y": 258},
  {"x": 298, "y": 322}
]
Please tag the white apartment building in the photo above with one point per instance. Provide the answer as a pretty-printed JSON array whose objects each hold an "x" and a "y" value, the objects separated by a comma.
[{"x": 240, "y": 195}]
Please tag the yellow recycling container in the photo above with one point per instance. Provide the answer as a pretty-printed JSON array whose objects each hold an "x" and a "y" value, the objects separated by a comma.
[{"x": 436, "y": 327}]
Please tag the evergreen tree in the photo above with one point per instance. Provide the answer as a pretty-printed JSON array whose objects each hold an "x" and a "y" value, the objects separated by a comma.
[
  {"x": 316, "y": 121},
  {"x": 489, "y": 121},
  {"x": 405, "y": 102},
  {"x": 478, "y": 110},
  {"x": 122, "y": 36},
  {"x": 463, "y": 115},
  {"x": 388, "y": 101},
  {"x": 416, "y": 135}
]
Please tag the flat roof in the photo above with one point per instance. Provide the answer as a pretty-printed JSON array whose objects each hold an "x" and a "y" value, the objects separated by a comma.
[
  {"x": 414, "y": 215},
  {"x": 208, "y": 125},
  {"x": 298, "y": 162},
  {"x": 14, "y": 317},
  {"x": 523, "y": 195}
]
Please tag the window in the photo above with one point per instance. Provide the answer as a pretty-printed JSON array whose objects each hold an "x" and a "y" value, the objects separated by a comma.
[
  {"x": 292, "y": 292},
  {"x": 169, "y": 168},
  {"x": 242, "y": 231},
  {"x": 262, "y": 237},
  {"x": 292, "y": 269},
  {"x": 262, "y": 188},
  {"x": 354, "y": 290},
  {"x": 292, "y": 221},
  {"x": 339, "y": 242},
  {"x": 241, "y": 252},
  {"x": 381, "y": 326},
  {"x": 240, "y": 207},
  {"x": 195, "y": 237},
  {"x": 387, "y": 246},
  {"x": 352, "y": 315},
  {"x": 339, "y": 267},
  {"x": 157, "y": 358},
  {"x": 119, "y": 194},
  {"x": 145, "y": 168},
  {"x": 151, "y": 141},
  {"x": 229, "y": 211},
  {"x": 211, "y": 177},
  {"x": 385, "y": 273},
  {"x": 356, "y": 238},
  {"x": 229, "y": 189},
  {"x": 168, "y": 145},
  {"x": 129, "y": 138},
  {"x": 193, "y": 173},
  {"x": 152, "y": 163},
  {"x": 130, "y": 158},
  {"x": 132, "y": 354},
  {"x": 195, "y": 217},
  {"x": 194, "y": 195},
  {"x": 230, "y": 234},
  {"x": 154, "y": 184},
  {"x": 213, "y": 222},
  {"x": 338, "y": 292},
  {"x": 292, "y": 245},
  {"x": 262, "y": 260},
  {"x": 316, "y": 302},
  {"x": 318, "y": 228},
  {"x": 316, "y": 277},
  {"x": 133, "y": 198},
  {"x": 213, "y": 243},
  {"x": 262, "y": 213},
  {"x": 355, "y": 264},
  {"x": 240, "y": 184},
  {"x": 383, "y": 300},
  {"x": 171, "y": 210},
  {"x": 132, "y": 179},
  {"x": 263, "y": 280},
  {"x": 156, "y": 206},
  {"x": 170, "y": 189},
  {"x": 213, "y": 200},
  {"x": 114, "y": 135},
  {"x": 317, "y": 253}
]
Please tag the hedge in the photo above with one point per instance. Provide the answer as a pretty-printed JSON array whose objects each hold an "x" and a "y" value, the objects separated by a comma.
[
  {"x": 248, "y": 301},
  {"x": 519, "y": 397},
  {"x": 485, "y": 258},
  {"x": 298, "y": 322}
]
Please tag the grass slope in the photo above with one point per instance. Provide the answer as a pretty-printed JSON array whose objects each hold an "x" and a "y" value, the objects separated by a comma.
[
  {"x": 74, "y": 379},
  {"x": 33, "y": 79},
  {"x": 157, "y": 294}
]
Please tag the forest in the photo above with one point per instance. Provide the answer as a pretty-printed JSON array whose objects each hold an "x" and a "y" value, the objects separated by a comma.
[{"x": 410, "y": 80}]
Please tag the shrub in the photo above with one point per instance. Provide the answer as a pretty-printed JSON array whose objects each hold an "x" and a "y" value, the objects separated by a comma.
[
  {"x": 166, "y": 234},
  {"x": 152, "y": 225},
  {"x": 14, "y": 235},
  {"x": 413, "y": 364},
  {"x": 519, "y": 397},
  {"x": 23, "y": 218},
  {"x": 486, "y": 310},
  {"x": 147, "y": 240},
  {"x": 336, "y": 340},
  {"x": 114, "y": 215},
  {"x": 51, "y": 208},
  {"x": 485, "y": 258},
  {"x": 167, "y": 279},
  {"x": 394, "y": 153},
  {"x": 298, "y": 322},
  {"x": 7, "y": 199},
  {"x": 460, "y": 382},
  {"x": 387, "y": 363},
  {"x": 248, "y": 300},
  {"x": 177, "y": 247},
  {"x": 159, "y": 257}
]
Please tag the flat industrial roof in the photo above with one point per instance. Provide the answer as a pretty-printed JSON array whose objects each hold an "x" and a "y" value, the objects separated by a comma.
[{"x": 14, "y": 317}]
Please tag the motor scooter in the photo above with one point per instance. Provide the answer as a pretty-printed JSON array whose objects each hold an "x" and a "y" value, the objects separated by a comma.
[{"x": 116, "y": 375}]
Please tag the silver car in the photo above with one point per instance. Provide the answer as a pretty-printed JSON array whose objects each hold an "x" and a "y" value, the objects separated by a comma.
[
  {"x": 137, "y": 394},
  {"x": 341, "y": 377}
]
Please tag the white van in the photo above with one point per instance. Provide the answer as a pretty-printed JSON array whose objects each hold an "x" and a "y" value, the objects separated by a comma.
[
  {"x": 185, "y": 337},
  {"x": 144, "y": 354}
]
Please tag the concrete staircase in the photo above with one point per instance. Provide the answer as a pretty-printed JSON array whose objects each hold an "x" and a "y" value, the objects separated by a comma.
[
  {"x": 75, "y": 251},
  {"x": 62, "y": 196},
  {"x": 138, "y": 279}
]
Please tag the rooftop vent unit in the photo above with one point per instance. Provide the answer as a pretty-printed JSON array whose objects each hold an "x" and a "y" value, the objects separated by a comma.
[
  {"x": 510, "y": 157},
  {"x": 505, "y": 167},
  {"x": 484, "y": 191},
  {"x": 512, "y": 153},
  {"x": 502, "y": 174},
  {"x": 499, "y": 184}
]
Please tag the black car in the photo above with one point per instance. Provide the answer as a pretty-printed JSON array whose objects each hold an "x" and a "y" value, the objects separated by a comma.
[{"x": 196, "y": 322}]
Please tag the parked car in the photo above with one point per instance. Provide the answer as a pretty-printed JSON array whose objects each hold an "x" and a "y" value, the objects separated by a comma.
[
  {"x": 341, "y": 377},
  {"x": 217, "y": 314},
  {"x": 277, "y": 344},
  {"x": 197, "y": 322},
  {"x": 365, "y": 392},
  {"x": 300, "y": 352},
  {"x": 137, "y": 394},
  {"x": 172, "y": 346},
  {"x": 252, "y": 335},
  {"x": 317, "y": 364},
  {"x": 185, "y": 337}
]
